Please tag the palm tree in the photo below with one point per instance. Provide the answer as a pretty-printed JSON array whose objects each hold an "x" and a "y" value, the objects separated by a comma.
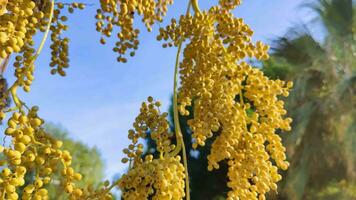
[{"x": 322, "y": 146}]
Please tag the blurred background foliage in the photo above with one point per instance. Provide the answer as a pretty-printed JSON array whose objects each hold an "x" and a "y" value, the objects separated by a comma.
[
  {"x": 86, "y": 160},
  {"x": 322, "y": 144}
]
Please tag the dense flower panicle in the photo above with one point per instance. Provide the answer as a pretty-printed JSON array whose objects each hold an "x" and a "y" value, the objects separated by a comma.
[
  {"x": 150, "y": 119},
  {"x": 59, "y": 46},
  {"x": 113, "y": 13},
  {"x": 161, "y": 178},
  {"x": 15, "y": 17},
  {"x": 231, "y": 98},
  {"x": 157, "y": 178},
  {"x": 149, "y": 123},
  {"x": 229, "y": 4},
  {"x": 18, "y": 26},
  {"x": 102, "y": 192},
  {"x": 33, "y": 151}
]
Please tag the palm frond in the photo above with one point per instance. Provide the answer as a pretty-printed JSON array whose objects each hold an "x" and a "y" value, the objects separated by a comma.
[
  {"x": 336, "y": 15},
  {"x": 298, "y": 47}
]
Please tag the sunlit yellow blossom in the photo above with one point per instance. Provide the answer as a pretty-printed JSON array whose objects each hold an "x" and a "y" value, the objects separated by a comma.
[
  {"x": 121, "y": 14},
  {"x": 159, "y": 178},
  {"x": 33, "y": 151},
  {"x": 230, "y": 98}
]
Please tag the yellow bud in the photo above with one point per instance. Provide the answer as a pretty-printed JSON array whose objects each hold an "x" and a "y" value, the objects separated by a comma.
[
  {"x": 38, "y": 183},
  {"x": 290, "y": 84},
  {"x": 29, "y": 188},
  {"x": 36, "y": 122},
  {"x": 10, "y": 188},
  {"x": 5, "y": 172},
  {"x": 78, "y": 192},
  {"x": 58, "y": 144},
  {"x": 42, "y": 192},
  {"x": 69, "y": 188},
  {"x": 77, "y": 176},
  {"x": 21, "y": 170},
  {"x": 21, "y": 147}
]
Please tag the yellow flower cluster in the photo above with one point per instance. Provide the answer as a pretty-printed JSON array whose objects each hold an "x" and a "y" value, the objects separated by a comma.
[
  {"x": 230, "y": 98},
  {"x": 16, "y": 35},
  {"x": 102, "y": 192},
  {"x": 32, "y": 151},
  {"x": 120, "y": 13},
  {"x": 160, "y": 178},
  {"x": 13, "y": 29},
  {"x": 36, "y": 20},
  {"x": 59, "y": 46},
  {"x": 229, "y": 4}
]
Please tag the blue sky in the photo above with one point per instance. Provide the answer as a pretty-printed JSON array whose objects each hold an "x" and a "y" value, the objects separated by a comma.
[{"x": 99, "y": 98}]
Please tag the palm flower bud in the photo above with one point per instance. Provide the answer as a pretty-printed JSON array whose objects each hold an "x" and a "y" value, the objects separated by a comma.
[
  {"x": 112, "y": 14},
  {"x": 230, "y": 98},
  {"x": 160, "y": 178}
]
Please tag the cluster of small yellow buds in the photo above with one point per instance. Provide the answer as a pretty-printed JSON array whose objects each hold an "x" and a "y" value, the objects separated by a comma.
[
  {"x": 32, "y": 151},
  {"x": 230, "y": 98},
  {"x": 251, "y": 172},
  {"x": 159, "y": 178},
  {"x": 150, "y": 119},
  {"x": 38, "y": 20},
  {"x": 150, "y": 122},
  {"x": 10, "y": 180},
  {"x": 23, "y": 68},
  {"x": 121, "y": 13},
  {"x": 30, "y": 25},
  {"x": 15, "y": 18},
  {"x": 102, "y": 192},
  {"x": 229, "y": 4},
  {"x": 16, "y": 35},
  {"x": 59, "y": 46}
]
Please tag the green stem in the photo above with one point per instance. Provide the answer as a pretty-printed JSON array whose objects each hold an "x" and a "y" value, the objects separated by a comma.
[
  {"x": 178, "y": 132},
  {"x": 13, "y": 88},
  {"x": 13, "y": 91},
  {"x": 45, "y": 34},
  {"x": 179, "y": 136},
  {"x": 113, "y": 185},
  {"x": 196, "y": 6}
]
